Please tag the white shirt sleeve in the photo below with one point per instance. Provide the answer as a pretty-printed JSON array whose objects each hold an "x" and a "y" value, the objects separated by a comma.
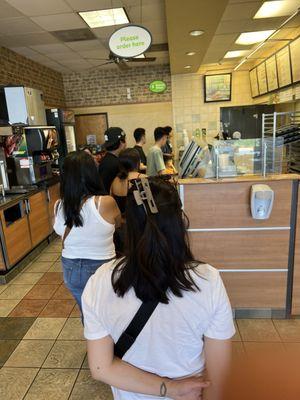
[
  {"x": 221, "y": 326},
  {"x": 59, "y": 223},
  {"x": 93, "y": 327}
]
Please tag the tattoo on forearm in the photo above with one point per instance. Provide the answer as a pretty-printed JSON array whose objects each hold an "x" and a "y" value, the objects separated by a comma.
[{"x": 163, "y": 390}]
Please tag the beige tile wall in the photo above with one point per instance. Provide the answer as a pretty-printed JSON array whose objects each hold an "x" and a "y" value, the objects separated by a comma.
[
  {"x": 187, "y": 109},
  {"x": 129, "y": 117},
  {"x": 289, "y": 95},
  {"x": 191, "y": 113}
]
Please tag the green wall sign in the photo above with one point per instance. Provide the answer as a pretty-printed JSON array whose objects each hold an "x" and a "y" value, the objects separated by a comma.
[{"x": 157, "y": 86}]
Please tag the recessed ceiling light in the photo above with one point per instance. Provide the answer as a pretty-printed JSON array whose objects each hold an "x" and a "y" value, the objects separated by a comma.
[
  {"x": 277, "y": 8},
  {"x": 247, "y": 38},
  {"x": 100, "y": 18},
  {"x": 196, "y": 33},
  {"x": 236, "y": 53},
  {"x": 190, "y": 53},
  {"x": 188, "y": 66}
]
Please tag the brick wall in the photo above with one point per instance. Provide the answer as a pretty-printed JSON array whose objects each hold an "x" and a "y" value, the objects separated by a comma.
[
  {"x": 109, "y": 86},
  {"x": 18, "y": 70}
]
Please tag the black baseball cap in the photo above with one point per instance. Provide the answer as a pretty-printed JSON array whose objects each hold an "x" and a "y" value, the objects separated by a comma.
[{"x": 113, "y": 135}]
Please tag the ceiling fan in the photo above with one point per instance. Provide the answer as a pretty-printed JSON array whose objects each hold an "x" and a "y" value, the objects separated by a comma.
[{"x": 122, "y": 63}]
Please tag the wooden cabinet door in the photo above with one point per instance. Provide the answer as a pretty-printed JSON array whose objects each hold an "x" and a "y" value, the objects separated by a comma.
[
  {"x": 38, "y": 217},
  {"x": 16, "y": 237},
  {"x": 53, "y": 196}
]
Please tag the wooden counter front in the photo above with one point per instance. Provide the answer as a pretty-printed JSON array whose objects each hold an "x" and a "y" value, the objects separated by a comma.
[
  {"x": 253, "y": 256},
  {"x": 296, "y": 280}
]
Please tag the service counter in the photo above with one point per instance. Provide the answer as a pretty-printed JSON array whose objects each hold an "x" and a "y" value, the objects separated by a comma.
[
  {"x": 259, "y": 260},
  {"x": 25, "y": 222}
]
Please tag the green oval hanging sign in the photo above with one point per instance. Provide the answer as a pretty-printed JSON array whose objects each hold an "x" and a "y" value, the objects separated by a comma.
[{"x": 157, "y": 86}]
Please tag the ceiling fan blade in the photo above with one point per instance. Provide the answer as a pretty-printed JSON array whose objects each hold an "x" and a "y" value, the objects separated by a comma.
[
  {"x": 101, "y": 65},
  {"x": 139, "y": 60},
  {"x": 98, "y": 59}
]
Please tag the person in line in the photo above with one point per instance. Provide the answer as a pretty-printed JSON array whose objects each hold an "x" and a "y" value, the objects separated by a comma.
[
  {"x": 87, "y": 149},
  {"x": 85, "y": 218},
  {"x": 168, "y": 152},
  {"x": 140, "y": 139},
  {"x": 99, "y": 155},
  {"x": 155, "y": 159},
  {"x": 168, "y": 148},
  {"x": 129, "y": 170},
  {"x": 115, "y": 142},
  {"x": 170, "y": 168},
  {"x": 190, "y": 328}
]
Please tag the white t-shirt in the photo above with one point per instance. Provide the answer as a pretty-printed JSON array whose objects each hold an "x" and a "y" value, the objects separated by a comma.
[
  {"x": 171, "y": 343},
  {"x": 94, "y": 240}
]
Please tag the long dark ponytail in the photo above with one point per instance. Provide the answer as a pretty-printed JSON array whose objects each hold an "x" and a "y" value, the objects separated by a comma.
[
  {"x": 80, "y": 180},
  {"x": 158, "y": 258},
  {"x": 129, "y": 160}
]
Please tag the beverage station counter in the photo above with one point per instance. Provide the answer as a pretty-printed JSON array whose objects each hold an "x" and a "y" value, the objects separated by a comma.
[{"x": 26, "y": 222}]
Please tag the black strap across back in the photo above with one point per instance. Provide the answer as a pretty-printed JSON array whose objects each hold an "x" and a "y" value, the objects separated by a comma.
[{"x": 135, "y": 327}]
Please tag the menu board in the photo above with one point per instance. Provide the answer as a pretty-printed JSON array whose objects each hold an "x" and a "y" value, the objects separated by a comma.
[
  {"x": 262, "y": 78},
  {"x": 254, "y": 83},
  {"x": 272, "y": 73},
  {"x": 295, "y": 58},
  {"x": 284, "y": 67}
]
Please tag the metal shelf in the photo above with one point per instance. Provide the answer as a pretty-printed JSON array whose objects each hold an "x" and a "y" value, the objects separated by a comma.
[{"x": 287, "y": 126}]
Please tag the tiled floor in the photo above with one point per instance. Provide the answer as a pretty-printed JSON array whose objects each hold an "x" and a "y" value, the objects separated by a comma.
[{"x": 42, "y": 351}]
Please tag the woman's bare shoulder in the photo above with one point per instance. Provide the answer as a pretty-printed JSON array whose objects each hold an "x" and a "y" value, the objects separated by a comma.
[{"x": 107, "y": 201}]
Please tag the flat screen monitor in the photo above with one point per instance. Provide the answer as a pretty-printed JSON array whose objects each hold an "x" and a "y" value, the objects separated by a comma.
[{"x": 188, "y": 163}]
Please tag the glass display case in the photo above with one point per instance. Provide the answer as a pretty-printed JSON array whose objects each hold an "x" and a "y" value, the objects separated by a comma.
[{"x": 247, "y": 157}]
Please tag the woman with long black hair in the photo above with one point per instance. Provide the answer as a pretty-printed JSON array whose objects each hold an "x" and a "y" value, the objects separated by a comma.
[
  {"x": 130, "y": 162},
  {"x": 191, "y": 322},
  {"x": 85, "y": 218}
]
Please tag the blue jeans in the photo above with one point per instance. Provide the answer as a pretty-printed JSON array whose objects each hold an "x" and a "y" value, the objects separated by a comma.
[{"x": 77, "y": 272}]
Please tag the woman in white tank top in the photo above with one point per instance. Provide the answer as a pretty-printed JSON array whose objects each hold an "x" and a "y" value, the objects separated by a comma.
[{"x": 86, "y": 220}]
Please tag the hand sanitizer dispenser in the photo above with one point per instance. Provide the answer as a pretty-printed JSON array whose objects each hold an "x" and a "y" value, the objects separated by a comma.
[{"x": 262, "y": 198}]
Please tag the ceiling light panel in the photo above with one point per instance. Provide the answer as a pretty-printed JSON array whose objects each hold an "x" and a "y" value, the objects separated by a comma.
[
  {"x": 100, "y": 18},
  {"x": 59, "y": 22},
  {"x": 277, "y": 8},
  {"x": 33, "y": 8},
  {"x": 236, "y": 53},
  {"x": 196, "y": 33},
  {"x": 248, "y": 38}
]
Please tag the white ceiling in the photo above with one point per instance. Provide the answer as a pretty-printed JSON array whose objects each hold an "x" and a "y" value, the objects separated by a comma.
[
  {"x": 26, "y": 27},
  {"x": 238, "y": 18}
]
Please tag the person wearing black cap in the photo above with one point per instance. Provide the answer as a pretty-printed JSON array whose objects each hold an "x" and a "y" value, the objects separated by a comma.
[{"x": 115, "y": 142}]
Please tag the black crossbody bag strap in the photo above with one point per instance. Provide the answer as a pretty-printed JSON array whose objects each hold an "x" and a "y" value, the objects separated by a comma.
[{"x": 135, "y": 327}]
